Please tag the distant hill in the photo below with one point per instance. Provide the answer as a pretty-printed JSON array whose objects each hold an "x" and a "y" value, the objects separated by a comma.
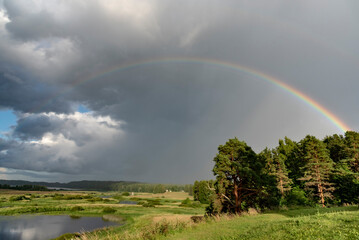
[{"x": 80, "y": 185}]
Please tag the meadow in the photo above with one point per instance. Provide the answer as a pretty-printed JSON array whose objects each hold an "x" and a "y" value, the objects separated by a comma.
[
  {"x": 149, "y": 208},
  {"x": 165, "y": 216}
]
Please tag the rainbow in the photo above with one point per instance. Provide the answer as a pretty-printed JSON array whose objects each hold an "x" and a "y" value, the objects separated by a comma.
[{"x": 228, "y": 65}]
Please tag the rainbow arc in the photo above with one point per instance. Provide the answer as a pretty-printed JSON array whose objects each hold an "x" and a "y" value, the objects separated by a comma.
[{"x": 228, "y": 65}]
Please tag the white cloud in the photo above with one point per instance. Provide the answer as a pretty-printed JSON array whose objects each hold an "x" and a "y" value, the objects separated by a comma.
[{"x": 75, "y": 146}]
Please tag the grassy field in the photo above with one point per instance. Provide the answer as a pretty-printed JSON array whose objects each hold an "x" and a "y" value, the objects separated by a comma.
[
  {"x": 332, "y": 223},
  {"x": 160, "y": 216},
  {"x": 151, "y": 208}
]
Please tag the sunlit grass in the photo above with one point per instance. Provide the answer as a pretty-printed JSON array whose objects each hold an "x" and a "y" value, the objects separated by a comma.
[
  {"x": 81, "y": 203},
  {"x": 169, "y": 220}
]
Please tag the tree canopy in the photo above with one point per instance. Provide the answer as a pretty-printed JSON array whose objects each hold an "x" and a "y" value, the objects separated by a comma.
[{"x": 308, "y": 172}]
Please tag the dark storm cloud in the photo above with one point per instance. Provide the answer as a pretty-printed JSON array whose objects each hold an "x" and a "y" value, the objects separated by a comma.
[
  {"x": 176, "y": 114},
  {"x": 29, "y": 96},
  {"x": 35, "y": 126},
  {"x": 6, "y": 144}
]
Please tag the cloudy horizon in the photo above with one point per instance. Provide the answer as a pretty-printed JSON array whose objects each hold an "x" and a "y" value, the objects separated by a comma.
[{"x": 86, "y": 91}]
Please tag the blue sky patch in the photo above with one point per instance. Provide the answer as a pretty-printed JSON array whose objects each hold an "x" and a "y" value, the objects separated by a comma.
[
  {"x": 7, "y": 119},
  {"x": 82, "y": 109}
]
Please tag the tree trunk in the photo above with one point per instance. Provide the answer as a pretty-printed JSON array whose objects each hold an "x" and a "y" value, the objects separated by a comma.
[
  {"x": 321, "y": 194},
  {"x": 281, "y": 187},
  {"x": 236, "y": 207},
  {"x": 320, "y": 188}
]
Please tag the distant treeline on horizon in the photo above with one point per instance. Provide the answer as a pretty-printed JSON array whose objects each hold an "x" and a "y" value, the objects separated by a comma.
[
  {"x": 26, "y": 187},
  {"x": 123, "y": 186}
]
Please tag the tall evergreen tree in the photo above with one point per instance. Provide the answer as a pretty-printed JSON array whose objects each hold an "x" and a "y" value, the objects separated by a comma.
[
  {"x": 293, "y": 162},
  {"x": 351, "y": 151},
  {"x": 275, "y": 165},
  {"x": 318, "y": 168},
  {"x": 335, "y": 144},
  {"x": 238, "y": 175},
  {"x": 345, "y": 153}
]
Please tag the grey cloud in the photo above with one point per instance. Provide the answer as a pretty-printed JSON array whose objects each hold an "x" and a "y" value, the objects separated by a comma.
[
  {"x": 35, "y": 126},
  {"x": 176, "y": 114},
  {"x": 29, "y": 95}
]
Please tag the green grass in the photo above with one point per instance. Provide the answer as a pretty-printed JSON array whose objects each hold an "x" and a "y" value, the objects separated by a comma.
[
  {"x": 91, "y": 204},
  {"x": 300, "y": 223},
  {"x": 332, "y": 223}
]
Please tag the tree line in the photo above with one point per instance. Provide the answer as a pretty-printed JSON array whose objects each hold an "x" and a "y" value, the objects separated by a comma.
[
  {"x": 307, "y": 172},
  {"x": 24, "y": 187},
  {"x": 152, "y": 188}
]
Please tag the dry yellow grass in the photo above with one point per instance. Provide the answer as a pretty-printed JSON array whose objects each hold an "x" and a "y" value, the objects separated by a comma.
[
  {"x": 19, "y": 192},
  {"x": 169, "y": 195},
  {"x": 102, "y": 205},
  {"x": 172, "y": 218}
]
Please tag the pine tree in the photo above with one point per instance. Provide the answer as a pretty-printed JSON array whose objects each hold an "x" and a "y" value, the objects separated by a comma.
[
  {"x": 318, "y": 168},
  {"x": 238, "y": 175},
  {"x": 293, "y": 162},
  {"x": 276, "y": 167},
  {"x": 336, "y": 146},
  {"x": 351, "y": 151},
  {"x": 342, "y": 152},
  {"x": 196, "y": 191}
]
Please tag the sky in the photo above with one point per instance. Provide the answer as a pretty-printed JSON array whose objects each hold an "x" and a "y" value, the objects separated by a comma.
[{"x": 147, "y": 90}]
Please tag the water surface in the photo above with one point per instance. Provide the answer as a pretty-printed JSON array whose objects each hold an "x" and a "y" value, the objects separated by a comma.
[{"x": 44, "y": 227}]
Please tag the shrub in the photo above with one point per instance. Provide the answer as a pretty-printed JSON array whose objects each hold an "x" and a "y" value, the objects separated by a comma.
[
  {"x": 70, "y": 197},
  {"x": 148, "y": 204},
  {"x": 77, "y": 208},
  {"x": 188, "y": 203},
  {"x": 297, "y": 197},
  {"x": 126, "y": 194},
  {"x": 68, "y": 236},
  {"x": 18, "y": 198},
  {"x": 163, "y": 228},
  {"x": 35, "y": 196},
  {"x": 197, "y": 219},
  {"x": 118, "y": 197},
  {"x": 108, "y": 210},
  {"x": 95, "y": 199},
  {"x": 196, "y": 204},
  {"x": 154, "y": 201}
]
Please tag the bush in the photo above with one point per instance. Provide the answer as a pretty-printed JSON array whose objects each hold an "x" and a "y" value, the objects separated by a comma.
[
  {"x": 188, "y": 203},
  {"x": 70, "y": 197},
  {"x": 108, "y": 210},
  {"x": 197, "y": 219},
  {"x": 95, "y": 199},
  {"x": 35, "y": 196},
  {"x": 215, "y": 206},
  {"x": 126, "y": 194},
  {"x": 68, "y": 236},
  {"x": 196, "y": 204},
  {"x": 163, "y": 228},
  {"x": 148, "y": 204},
  {"x": 118, "y": 197},
  {"x": 18, "y": 198},
  {"x": 297, "y": 197},
  {"x": 154, "y": 201},
  {"x": 77, "y": 208}
]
